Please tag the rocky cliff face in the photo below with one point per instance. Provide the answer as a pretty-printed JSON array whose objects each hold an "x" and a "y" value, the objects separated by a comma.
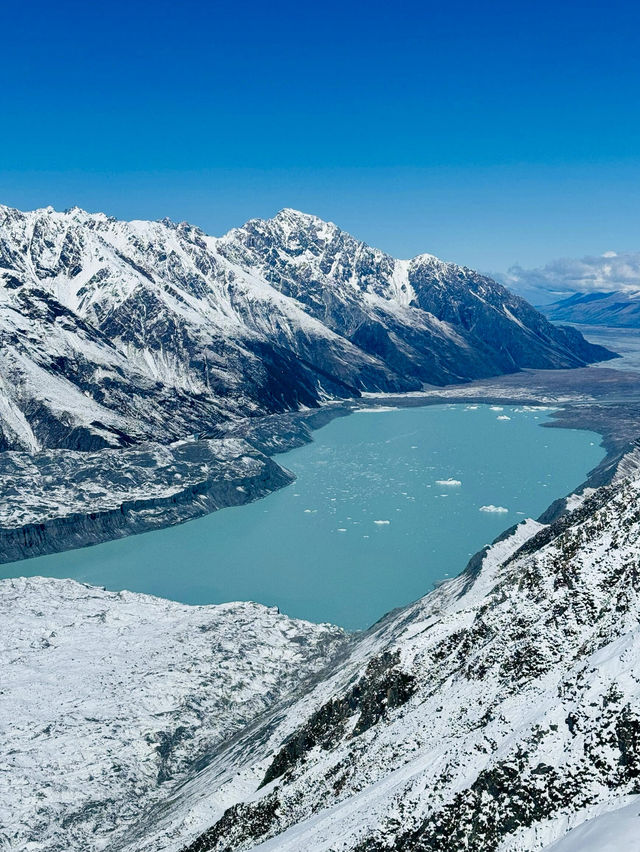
[{"x": 115, "y": 332}]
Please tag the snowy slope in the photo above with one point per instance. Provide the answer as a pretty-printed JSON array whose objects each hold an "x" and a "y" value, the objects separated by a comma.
[
  {"x": 500, "y": 713},
  {"x": 617, "y": 830}
]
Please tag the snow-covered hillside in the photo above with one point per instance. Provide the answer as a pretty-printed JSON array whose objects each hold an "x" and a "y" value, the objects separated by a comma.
[{"x": 114, "y": 332}]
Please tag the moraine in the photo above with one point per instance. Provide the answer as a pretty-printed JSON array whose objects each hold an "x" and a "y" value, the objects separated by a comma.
[{"x": 385, "y": 504}]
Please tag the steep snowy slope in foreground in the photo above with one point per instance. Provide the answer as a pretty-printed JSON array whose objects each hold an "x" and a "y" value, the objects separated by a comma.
[
  {"x": 496, "y": 714},
  {"x": 613, "y": 831},
  {"x": 493, "y": 715}
]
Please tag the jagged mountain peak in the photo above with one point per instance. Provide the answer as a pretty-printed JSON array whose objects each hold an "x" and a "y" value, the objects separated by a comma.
[
  {"x": 51, "y": 214},
  {"x": 289, "y": 222},
  {"x": 425, "y": 257},
  {"x": 292, "y": 230},
  {"x": 294, "y": 216}
]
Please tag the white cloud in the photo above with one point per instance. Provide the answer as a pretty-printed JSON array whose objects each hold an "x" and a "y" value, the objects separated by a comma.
[{"x": 606, "y": 273}]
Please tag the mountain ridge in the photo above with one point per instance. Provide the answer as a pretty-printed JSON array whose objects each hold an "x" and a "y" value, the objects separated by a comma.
[{"x": 151, "y": 330}]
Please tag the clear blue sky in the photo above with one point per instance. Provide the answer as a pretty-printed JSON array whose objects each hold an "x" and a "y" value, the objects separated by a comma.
[{"x": 487, "y": 133}]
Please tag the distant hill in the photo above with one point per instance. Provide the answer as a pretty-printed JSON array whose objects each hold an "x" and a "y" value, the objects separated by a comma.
[{"x": 617, "y": 309}]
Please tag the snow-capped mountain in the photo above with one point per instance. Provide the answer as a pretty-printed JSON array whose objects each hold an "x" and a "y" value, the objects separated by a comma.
[
  {"x": 500, "y": 713},
  {"x": 115, "y": 332},
  {"x": 502, "y": 708}
]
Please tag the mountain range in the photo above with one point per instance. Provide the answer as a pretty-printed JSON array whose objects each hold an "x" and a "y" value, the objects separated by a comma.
[
  {"x": 113, "y": 333},
  {"x": 147, "y": 373}
]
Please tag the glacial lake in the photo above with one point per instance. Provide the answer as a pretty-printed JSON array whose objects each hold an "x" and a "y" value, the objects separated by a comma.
[{"x": 386, "y": 503}]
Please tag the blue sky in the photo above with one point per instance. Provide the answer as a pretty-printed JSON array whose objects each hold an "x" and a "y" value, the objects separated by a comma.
[{"x": 488, "y": 134}]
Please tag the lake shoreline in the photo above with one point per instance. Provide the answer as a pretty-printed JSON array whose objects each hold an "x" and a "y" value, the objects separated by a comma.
[
  {"x": 385, "y": 505},
  {"x": 599, "y": 399}
]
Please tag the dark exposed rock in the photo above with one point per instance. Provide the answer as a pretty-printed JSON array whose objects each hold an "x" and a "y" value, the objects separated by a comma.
[
  {"x": 255, "y": 820},
  {"x": 382, "y": 688}
]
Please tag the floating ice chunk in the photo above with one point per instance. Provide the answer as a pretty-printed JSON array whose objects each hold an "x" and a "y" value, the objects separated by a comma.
[
  {"x": 451, "y": 483},
  {"x": 537, "y": 408},
  {"x": 497, "y": 408},
  {"x": 342, "y": 529},
  {"x": 492, "y": 508},
  {"x": 382, "y": 522},
  {"x": 503, "y": 417}
]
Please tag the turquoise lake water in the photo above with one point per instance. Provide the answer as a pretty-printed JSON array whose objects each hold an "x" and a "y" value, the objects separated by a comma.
[{"x": 385, "y": 505}]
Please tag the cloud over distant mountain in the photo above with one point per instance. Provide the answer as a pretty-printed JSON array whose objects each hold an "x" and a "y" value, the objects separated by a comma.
[{"x": 608, "y": 272}]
